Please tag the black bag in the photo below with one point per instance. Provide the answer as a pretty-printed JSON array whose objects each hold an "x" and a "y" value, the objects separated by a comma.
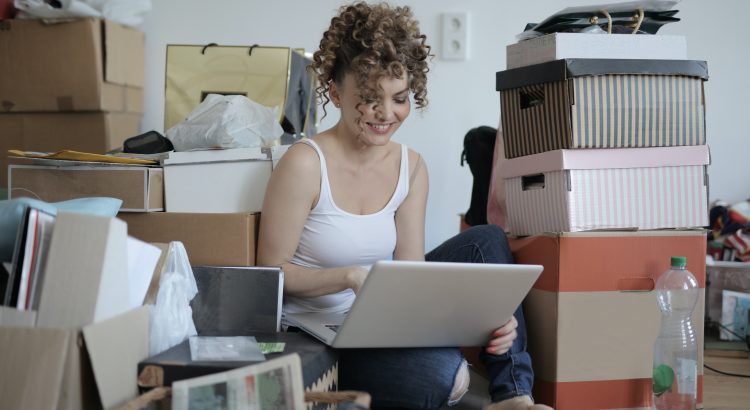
[
  {"x": 150, "y": 142},
  {"x": 479, "y": 147}
]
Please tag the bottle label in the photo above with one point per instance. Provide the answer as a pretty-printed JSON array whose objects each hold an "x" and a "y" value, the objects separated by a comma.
[{"x": 687, "y": 376}]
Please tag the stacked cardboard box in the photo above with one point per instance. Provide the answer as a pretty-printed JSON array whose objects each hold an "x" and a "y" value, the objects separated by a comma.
[
  {"x": 615, "y": 146},
  {"x": 213, "y": 201},
  {"x": 212, "y": 198},
  {"x": 76, "y": 85}
]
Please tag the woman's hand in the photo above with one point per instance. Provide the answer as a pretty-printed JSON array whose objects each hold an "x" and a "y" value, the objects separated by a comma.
[
  {"x": 355, "y": 277},
  {"x": 503, "y": 338}
]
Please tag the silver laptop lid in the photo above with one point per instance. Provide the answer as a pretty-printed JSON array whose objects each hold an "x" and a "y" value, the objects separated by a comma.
[{"x": 434, "y": 304}]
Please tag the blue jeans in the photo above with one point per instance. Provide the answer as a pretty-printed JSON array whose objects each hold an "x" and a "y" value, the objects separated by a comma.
[{"x": 423, "y": 378}]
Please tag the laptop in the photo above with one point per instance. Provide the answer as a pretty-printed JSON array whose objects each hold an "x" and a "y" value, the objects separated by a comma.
[{"x": 424, "y": 304}]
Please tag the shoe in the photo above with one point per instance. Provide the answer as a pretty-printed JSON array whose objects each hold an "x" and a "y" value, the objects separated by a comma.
[{"x": 517, "y": 403}]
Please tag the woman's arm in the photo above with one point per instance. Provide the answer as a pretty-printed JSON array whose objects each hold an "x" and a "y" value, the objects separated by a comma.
[
  {"x": 410, "y": 215},
  {"x": 292, "y": 191}
]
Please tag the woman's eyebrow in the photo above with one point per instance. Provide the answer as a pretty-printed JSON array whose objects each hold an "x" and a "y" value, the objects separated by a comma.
[{"x": 406, "y": 90}]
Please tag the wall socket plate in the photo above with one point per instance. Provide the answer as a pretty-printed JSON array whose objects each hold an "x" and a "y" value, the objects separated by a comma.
[{"x": 455, "y": 35}]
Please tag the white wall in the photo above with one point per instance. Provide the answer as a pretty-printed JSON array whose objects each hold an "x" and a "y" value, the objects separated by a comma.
[{"x": 462, "y": 94}]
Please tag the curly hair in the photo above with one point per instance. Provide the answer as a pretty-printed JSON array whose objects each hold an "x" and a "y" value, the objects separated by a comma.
[{"x": 372, "y": 42}]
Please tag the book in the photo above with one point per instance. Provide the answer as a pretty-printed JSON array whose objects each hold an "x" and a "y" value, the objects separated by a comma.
[
  {"x": 237, "y": 301},
  {"x": 29, "y": 260}
]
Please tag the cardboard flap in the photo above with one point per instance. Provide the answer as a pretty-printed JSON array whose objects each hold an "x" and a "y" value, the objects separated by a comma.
[
  {"x": 605, "y": 159},
  {"x": 86, "y": 274},
  {"x": 32, "y": 364},
  {"x": 115, "y": 347},
  {"x": 560, "y": 70},
  {"x": 124, "y": 56},
  {"x": 13, "y": 317},
  {"x": 161, "y": 264}
]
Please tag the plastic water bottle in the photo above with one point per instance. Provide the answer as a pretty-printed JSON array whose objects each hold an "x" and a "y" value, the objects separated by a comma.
[{"x": 675, "y": 383}]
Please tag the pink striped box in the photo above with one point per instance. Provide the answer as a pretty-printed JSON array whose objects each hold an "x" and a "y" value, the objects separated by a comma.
[{"x": 605, "y": 189}]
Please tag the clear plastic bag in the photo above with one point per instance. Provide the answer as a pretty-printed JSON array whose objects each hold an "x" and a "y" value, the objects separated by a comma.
[
  {"x": 226, "y": 121},
  {"x": 172, "y": 316}
]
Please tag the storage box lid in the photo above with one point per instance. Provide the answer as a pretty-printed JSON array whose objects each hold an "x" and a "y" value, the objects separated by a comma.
[
  {"x": 216, "y": 155},
  {"x": 605, "y": 159},
  {"x": 560, "y": 70}
]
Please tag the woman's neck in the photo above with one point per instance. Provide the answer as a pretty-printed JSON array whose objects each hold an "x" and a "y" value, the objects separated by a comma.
[{"x": 351, "y": 145}]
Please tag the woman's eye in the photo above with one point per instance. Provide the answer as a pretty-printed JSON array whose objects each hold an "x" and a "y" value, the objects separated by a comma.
[{"x": 400, "y": 100}]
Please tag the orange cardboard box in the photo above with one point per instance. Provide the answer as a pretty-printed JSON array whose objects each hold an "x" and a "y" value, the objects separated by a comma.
[{"x": 592, "y": 317}]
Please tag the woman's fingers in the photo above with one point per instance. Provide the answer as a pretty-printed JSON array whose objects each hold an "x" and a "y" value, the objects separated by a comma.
[
  {"x": 503, "y": 338},
  {"x": 506, "y": 328}
]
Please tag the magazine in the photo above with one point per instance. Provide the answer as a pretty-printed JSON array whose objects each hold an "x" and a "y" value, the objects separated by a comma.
[{"x": 275, "y": 384}]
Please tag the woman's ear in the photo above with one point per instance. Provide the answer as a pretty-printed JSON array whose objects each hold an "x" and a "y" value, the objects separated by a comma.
[{"x": 335, "y": 94}]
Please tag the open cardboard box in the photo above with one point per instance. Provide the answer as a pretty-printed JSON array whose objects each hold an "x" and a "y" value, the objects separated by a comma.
[
  {"x": 81, "y": 348},
  {"x": 92, "y": 366}
]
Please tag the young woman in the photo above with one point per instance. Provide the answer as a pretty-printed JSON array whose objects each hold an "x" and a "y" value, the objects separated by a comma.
[{"x": 350, "y": 196}]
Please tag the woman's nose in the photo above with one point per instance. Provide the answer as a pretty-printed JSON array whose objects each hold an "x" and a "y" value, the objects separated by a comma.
[{"x": 384, "y": 111}]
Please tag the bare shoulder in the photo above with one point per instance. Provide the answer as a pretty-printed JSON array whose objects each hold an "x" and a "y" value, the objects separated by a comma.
[
  {"x": 416, "y": 161},
  {"x": 300, "y": 160},
  {"x": 297, "y": 173}
]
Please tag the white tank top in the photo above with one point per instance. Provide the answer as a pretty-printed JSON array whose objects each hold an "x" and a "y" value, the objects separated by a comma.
[{"x": 333, "y": 237}]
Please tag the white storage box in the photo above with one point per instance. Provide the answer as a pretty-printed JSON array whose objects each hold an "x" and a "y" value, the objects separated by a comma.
[
  {"x": 595, "y": 189},
  {"x": 557, "y": 46},
  {"x": 216, "y": 181}
]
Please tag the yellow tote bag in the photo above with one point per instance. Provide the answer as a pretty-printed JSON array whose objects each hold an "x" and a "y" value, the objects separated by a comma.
[{"x": 260, "y": 73}]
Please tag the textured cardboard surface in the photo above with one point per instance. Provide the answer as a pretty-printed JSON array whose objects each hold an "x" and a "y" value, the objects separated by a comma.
[
  {"x": 210, "y": 239},
  {"x": 141, "y": 189},
  {"x": 86, "y": 54}
]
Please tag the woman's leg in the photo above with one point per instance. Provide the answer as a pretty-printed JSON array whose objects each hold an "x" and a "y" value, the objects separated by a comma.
[
  {"x": 401, "y": 378},
  {"x": 510, "y": 374}
]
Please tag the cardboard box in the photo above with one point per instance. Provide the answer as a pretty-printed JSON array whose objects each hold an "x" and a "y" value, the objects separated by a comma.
[
  {"x": 96, "y": 132},
  {"x": 558, "y": 46},
  {"x": 592, "y": 317},
  {"x": 91, "y": 367},
  {"x": 210, "y": 239},
  {"x": 600, "y": 103},
  {"x": 218, "y": 181},
  {"x": 627, "y": 188},
  {"x": 82, "y": 65},
  {"x": 87, "y": 341},
  {"x": 141, "y": 189}
]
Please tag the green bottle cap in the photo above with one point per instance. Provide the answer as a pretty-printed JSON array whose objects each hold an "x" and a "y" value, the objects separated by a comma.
[
  {"x": 679, "y": 261},
  {"x": 663, "y": 379}
]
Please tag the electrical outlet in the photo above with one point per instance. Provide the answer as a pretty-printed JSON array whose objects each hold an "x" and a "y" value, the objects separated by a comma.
[{"x": 455, "y": 35}]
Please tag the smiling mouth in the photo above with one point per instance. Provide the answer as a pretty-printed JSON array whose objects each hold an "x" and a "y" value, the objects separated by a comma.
[{"x": 379, "y": 128}]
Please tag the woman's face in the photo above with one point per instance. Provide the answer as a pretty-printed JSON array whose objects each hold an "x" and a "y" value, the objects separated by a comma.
[{"x": 372, "y": 122}]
